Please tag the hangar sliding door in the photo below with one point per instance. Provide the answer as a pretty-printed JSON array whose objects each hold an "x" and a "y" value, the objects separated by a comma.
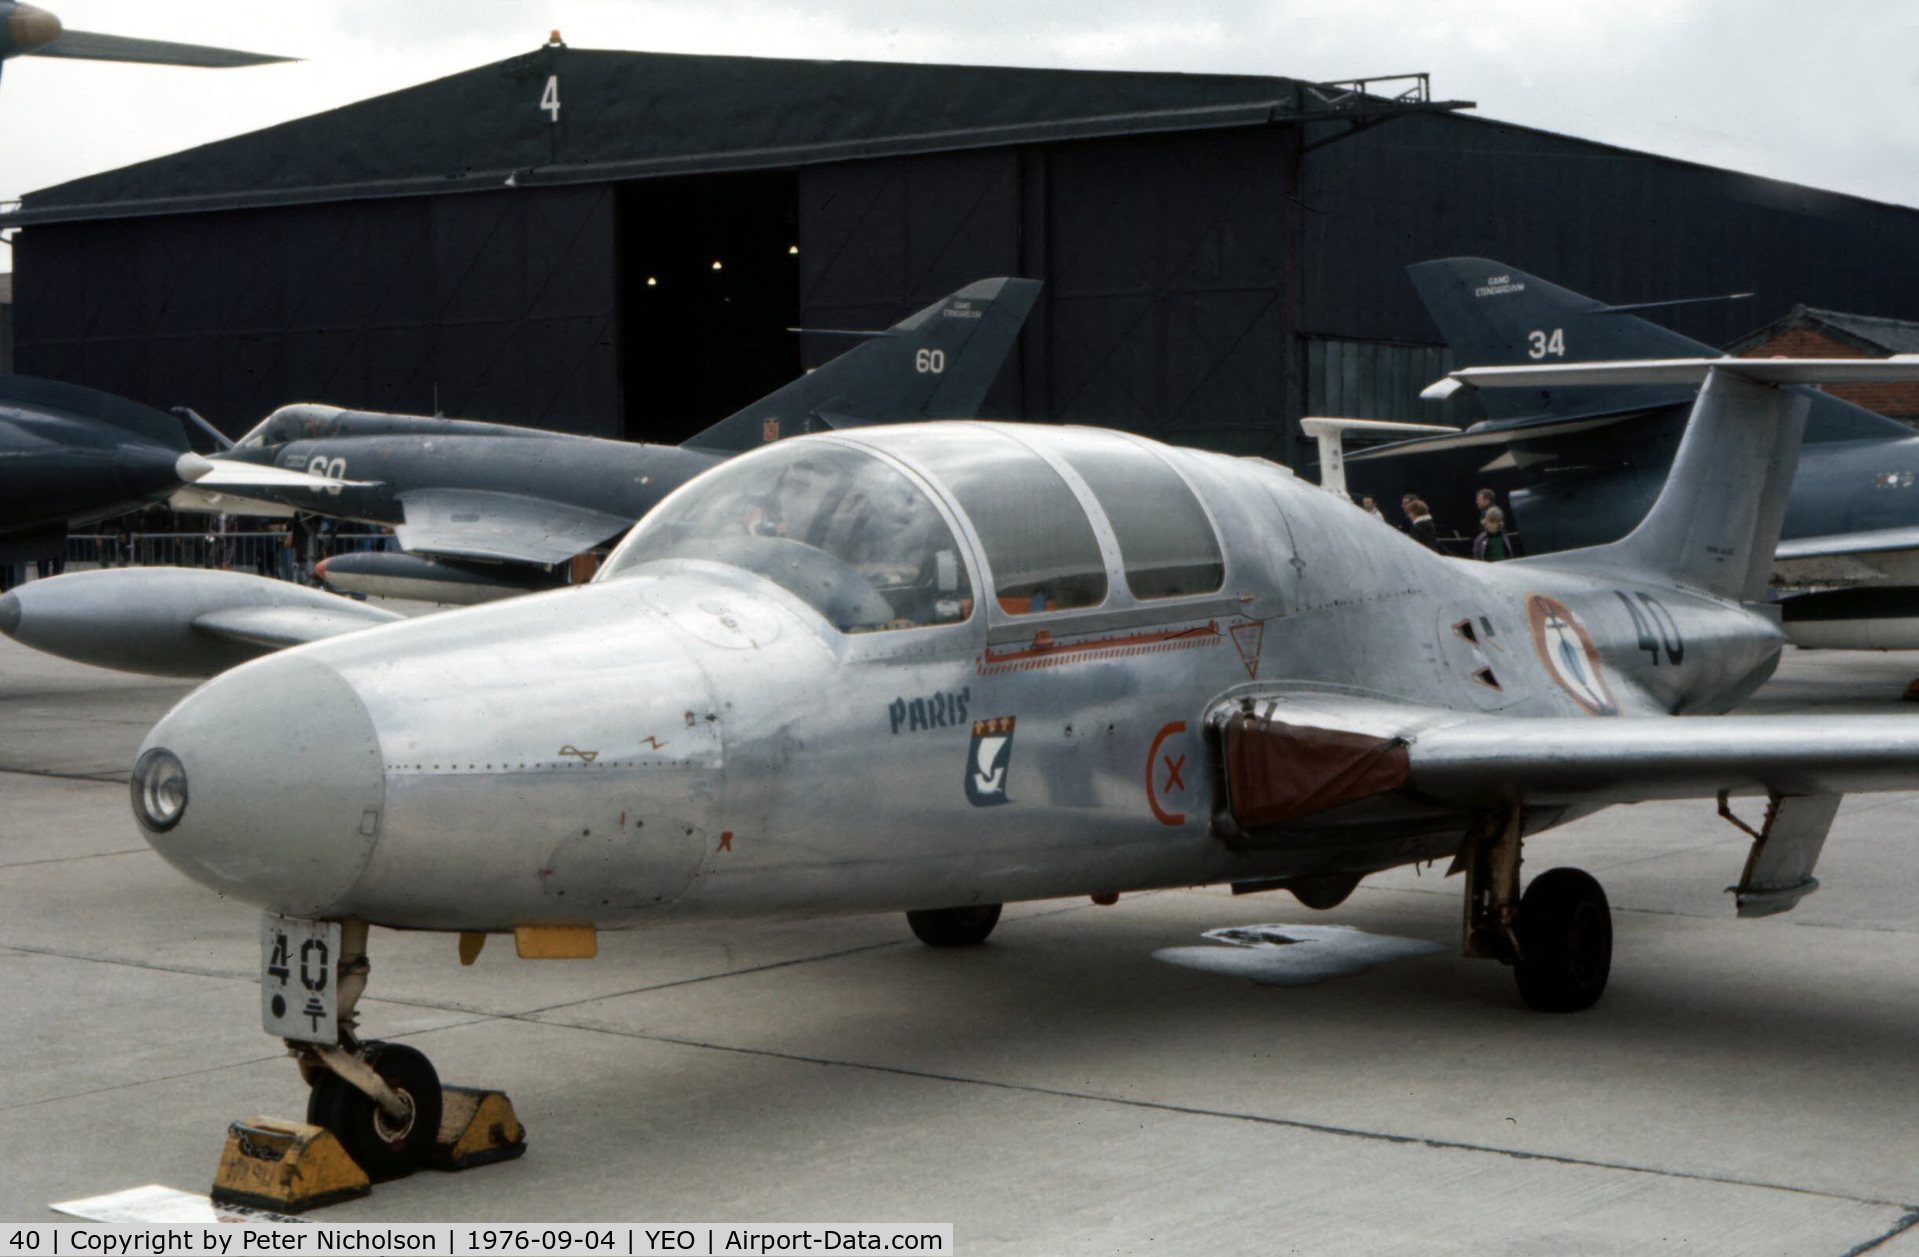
[
  {"x": 1164, "y": 258},
  {"x": 496, "y": 305},
  {"x": 881, "y": 239}
]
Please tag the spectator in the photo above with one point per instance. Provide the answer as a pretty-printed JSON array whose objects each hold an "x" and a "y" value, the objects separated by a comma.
[
  {"x": 1368, "y": 505},
  {"x": 1419, "y": 524},
  {"x": 1493, "y": 544}
]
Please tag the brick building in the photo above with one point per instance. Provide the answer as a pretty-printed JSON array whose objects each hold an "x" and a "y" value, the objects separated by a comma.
[{"x": 1806, "y": 332}]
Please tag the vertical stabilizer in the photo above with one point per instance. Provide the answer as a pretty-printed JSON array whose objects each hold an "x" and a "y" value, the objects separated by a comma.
[
  {"x": 1716, "y": 522},
  {"x": 1492, "y": 314},
  {"x": 935, "y": 364}
]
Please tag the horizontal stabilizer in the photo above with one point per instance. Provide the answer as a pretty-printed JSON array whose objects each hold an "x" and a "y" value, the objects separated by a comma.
[
  {"x": 1487, "y": 435},
  {"x": 1898, "y": 369},
  {"x": 1838, "y": 544},
  {"x": 503, "y": 527}
]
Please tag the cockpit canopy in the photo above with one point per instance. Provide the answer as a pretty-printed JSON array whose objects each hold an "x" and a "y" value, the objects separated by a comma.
[
  {"x": 867, "y": 545},
  {"x": 310, "y": 421},
  {"x": 302, "y": 421}
]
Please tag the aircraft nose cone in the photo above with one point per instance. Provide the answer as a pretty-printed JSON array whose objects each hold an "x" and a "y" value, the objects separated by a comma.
[
  {"x": 265, "y": 784},
  {"x": 9, "y": 613},
  {"x": 32, "y": 28}
]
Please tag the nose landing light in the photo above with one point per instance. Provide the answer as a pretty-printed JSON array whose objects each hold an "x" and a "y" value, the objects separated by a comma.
[{"x": 159, "y": 789}]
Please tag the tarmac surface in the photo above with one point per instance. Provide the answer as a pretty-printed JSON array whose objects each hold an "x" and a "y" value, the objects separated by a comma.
[{"x": 1744, "y": 1087}]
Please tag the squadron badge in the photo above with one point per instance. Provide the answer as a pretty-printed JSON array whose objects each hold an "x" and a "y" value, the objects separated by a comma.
[{"x": 988, "y": 760}]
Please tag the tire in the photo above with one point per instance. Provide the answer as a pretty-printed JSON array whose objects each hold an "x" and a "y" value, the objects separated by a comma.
[
  {"x": 365, "y": 1130},
  {"x": 954, "y": 927},
  {"x": 1323, "y": 890},
  {"x": 1565, "y": 942}
]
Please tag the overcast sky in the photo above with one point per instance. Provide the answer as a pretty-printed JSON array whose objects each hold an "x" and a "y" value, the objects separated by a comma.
[{"x": 1825, "y": 94}]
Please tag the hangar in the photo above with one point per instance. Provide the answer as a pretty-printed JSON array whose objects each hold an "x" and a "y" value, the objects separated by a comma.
[{"x": 615, "y": 243}]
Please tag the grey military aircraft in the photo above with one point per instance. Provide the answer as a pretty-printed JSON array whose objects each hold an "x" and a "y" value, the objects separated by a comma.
[
  {"x": 70, "y": 455},
  {"x": 482, "y": 505},
  {"x": 484, "y": 510},
  {"x": 29, "y": 31},
  {"x": 938, "y": 668},
  {"x": 1583, "y": 462}
]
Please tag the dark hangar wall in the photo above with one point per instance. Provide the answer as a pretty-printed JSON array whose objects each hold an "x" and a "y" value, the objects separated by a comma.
[
  {"x": 1161, "y": 259},
  {"x": 497, "y": 305},
  {"x": 1190, "y": 292},
  {"x": 1619, "y": 225}
]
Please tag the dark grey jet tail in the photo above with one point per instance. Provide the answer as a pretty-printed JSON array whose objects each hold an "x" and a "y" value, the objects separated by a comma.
[
  {"x": 1495, "y": 315},
  {"x": 1715, "y": 525},
  {"x": 1492, "y": 314},
  {"x": 90, "y": 405},
  {"x": 936, "y": 364}
]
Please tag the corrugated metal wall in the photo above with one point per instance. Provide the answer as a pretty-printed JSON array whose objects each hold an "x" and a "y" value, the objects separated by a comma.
[
  {"x": 1369, "y": 379},
  {"x": 1620, "y": 226},
  {"x": 1165, "y": 257},
  {"x": 1162, "y": 259},
  {"x": 499, "y": 306}
]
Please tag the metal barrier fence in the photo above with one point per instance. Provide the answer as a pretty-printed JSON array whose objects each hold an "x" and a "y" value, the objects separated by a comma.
[{"x": 265, "y": 553}]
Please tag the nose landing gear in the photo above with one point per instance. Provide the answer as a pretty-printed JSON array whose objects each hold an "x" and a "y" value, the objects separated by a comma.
[{"x": 380, "y": 1103}]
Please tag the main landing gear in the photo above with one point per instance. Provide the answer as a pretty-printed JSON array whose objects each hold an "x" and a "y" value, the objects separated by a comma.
[
  {"x": 954, "y": 927},
  {"x": 1557, "y": 936}
]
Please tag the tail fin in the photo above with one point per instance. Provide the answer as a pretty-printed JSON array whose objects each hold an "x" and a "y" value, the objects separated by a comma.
[
  {"x": 76, "y": 401},
  {"x": 1492, "y": 314},
  {"x": 936, "y": 364},
  {"x": 1716, "y": 521},
  {"x": 1715, "y": 525}
]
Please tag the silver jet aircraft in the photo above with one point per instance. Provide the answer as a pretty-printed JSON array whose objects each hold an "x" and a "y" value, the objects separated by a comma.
[{"x": 939, "y": 668}]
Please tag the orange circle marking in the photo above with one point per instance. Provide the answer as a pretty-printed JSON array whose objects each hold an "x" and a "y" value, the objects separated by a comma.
[{"x": 1174, "y": 769}]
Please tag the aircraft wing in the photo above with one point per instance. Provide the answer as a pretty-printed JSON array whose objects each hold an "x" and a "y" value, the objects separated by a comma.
[
  {"x": 236, "y": 477},
  {"x": 93, "y": 46},
  {"x": 276, "y": 628},
  {"x": 1833, "y": 545},
  {"x": 502, "y": 527},
  {"x": 1508, "y": 433},
  {"x": 1291, "y": 758}
]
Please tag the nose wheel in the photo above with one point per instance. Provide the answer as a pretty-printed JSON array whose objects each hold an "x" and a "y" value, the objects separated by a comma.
[{"x": 386, "y": 1145}]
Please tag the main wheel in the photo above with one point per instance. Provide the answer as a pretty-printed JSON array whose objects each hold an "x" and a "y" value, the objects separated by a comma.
[
  {"x": 1323, "y": 890},
  {"x": 384, "y": 1148},
  {"x": 954, "y": 927},
  {"x": 1565, "y": 942}
]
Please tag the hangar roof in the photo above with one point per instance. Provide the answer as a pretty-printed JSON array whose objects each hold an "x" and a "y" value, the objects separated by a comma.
[{"x": 624, "y": 115}]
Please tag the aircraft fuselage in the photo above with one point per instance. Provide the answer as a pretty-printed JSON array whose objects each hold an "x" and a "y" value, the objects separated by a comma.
[{"x": 689, "y": 738}]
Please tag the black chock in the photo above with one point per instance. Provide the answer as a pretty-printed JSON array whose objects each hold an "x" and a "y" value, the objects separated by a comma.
[
  {"x": 477, "y": 1127},
  {"x": 287, "y": 1167}
]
